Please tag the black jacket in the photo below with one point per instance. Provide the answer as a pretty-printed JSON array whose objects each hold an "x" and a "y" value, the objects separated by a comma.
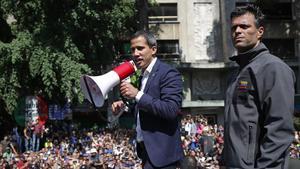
[{"x": 258, "y": 112}]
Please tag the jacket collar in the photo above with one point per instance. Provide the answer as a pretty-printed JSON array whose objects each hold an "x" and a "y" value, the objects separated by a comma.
[
  {"x": 150, "y": 66},
  {"x": 245, "y": 58},
  {"x": 152, "y": 75}
]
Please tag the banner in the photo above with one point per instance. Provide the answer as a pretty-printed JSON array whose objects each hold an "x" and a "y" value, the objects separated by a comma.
[
  {"x": 31, "y": 109},
  {"x": 57, "y": 112}
]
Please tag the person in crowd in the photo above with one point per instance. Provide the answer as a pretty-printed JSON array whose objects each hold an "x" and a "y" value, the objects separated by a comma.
[
  {"x": 187, "y": 126},
  {"x": 189, "y": 162},
  {"x": 48, "y": 143},
  {"x": 5, "y": 143},
  {"x": 17, "y": 138},
  {"x": 259, "y": 103},
  {"x": 28, "y": 131},
  {"x": 37, "y": 135},
  {"x": 158, "y": 101}
]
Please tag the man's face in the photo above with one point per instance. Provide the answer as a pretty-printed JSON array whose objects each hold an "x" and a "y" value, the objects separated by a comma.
[
  {"x": 142, "y": 52},
  {"x": 245, "y": 34}
]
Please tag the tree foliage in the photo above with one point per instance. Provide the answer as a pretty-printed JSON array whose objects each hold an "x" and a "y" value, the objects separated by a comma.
[{"x": 53, "y": 42}]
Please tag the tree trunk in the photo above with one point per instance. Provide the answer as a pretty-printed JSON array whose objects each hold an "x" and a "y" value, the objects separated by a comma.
[{"x": 142, "y": 14}]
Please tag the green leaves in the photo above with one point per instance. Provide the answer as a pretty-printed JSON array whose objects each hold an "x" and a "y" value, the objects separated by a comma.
[{"x": 55, "y": 42}]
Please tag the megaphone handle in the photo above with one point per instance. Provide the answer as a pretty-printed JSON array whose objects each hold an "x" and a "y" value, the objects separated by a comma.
[
  {"x": 92, "y": 100},
  {"x": 89, "y": 92},
  {"x": 125, "y": 102}
]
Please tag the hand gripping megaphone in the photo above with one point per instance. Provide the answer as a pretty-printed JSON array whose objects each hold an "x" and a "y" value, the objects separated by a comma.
[{"x": 95, "y": 88}]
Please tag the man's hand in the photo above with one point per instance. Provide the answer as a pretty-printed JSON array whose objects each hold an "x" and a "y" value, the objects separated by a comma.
[
  {"x": 127, "y": 90},
  {"x": 117, "y": 107}
]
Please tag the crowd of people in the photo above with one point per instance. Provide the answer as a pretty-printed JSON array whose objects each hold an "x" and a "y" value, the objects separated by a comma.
[
  {"x": 67, "y": 145},
  {"x": 202, "y": 141}
]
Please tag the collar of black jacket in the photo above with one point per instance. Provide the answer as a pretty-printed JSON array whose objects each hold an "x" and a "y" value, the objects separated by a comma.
[{"x": 244, "y": 58}]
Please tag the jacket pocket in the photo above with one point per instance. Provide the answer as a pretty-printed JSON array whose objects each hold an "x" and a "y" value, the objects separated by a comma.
[{"x": 251, "y": 143}]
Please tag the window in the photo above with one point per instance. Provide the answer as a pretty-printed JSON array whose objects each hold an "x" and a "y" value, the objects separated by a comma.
[
  {"x": 278, "y": 11},
  {"x": 211, "y": 118},
  {"x": 283, "y": 48},
  {"x": 274, "y": 10},
  {"x": 163, "y": 13},
  {"x": 168, "y": 49}
]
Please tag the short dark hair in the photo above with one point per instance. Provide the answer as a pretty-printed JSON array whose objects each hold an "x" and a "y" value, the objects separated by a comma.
[
  {"x": 150, "y": 38},
  {"x": 252, "y": 9},
  {"x": 188, "y": 162}
]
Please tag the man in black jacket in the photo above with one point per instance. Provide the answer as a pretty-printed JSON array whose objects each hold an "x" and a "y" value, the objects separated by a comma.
[{"x": 259, "y": 99}]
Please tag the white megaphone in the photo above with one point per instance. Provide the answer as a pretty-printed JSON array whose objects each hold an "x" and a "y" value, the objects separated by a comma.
[{"x": 95, "y": 88}]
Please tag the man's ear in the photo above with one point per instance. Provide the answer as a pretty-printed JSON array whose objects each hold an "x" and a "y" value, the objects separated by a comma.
[
  {"x": 154, "y": 50},
  {"x": 260, "y": 32}
]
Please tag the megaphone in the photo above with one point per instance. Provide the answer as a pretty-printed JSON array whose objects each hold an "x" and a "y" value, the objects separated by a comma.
[{"x": 95, "y": 88}]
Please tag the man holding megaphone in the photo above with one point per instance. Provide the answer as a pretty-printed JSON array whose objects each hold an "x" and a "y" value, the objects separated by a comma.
[{"x": 158, "y": 101}]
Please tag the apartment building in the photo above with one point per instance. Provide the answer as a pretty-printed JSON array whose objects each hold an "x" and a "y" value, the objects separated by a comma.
[{"x": 194, "y": 36}]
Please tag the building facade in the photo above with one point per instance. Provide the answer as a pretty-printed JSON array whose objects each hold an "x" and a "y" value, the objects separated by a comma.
[{"x": 194, "y": 36}]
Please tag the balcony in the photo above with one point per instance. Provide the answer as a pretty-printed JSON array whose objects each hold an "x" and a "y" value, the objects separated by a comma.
[
  {"x": 162, "y": 19},
  {"x": 203, "y": 103}
]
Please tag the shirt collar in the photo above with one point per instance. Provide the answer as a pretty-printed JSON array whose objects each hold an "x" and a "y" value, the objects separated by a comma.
[{"x": 150, "y": 66}]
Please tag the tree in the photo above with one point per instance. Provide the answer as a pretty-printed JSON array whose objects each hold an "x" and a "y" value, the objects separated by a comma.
[
  {"x": 142, "y": 10},
  {"x": 54, "y": 42}
]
